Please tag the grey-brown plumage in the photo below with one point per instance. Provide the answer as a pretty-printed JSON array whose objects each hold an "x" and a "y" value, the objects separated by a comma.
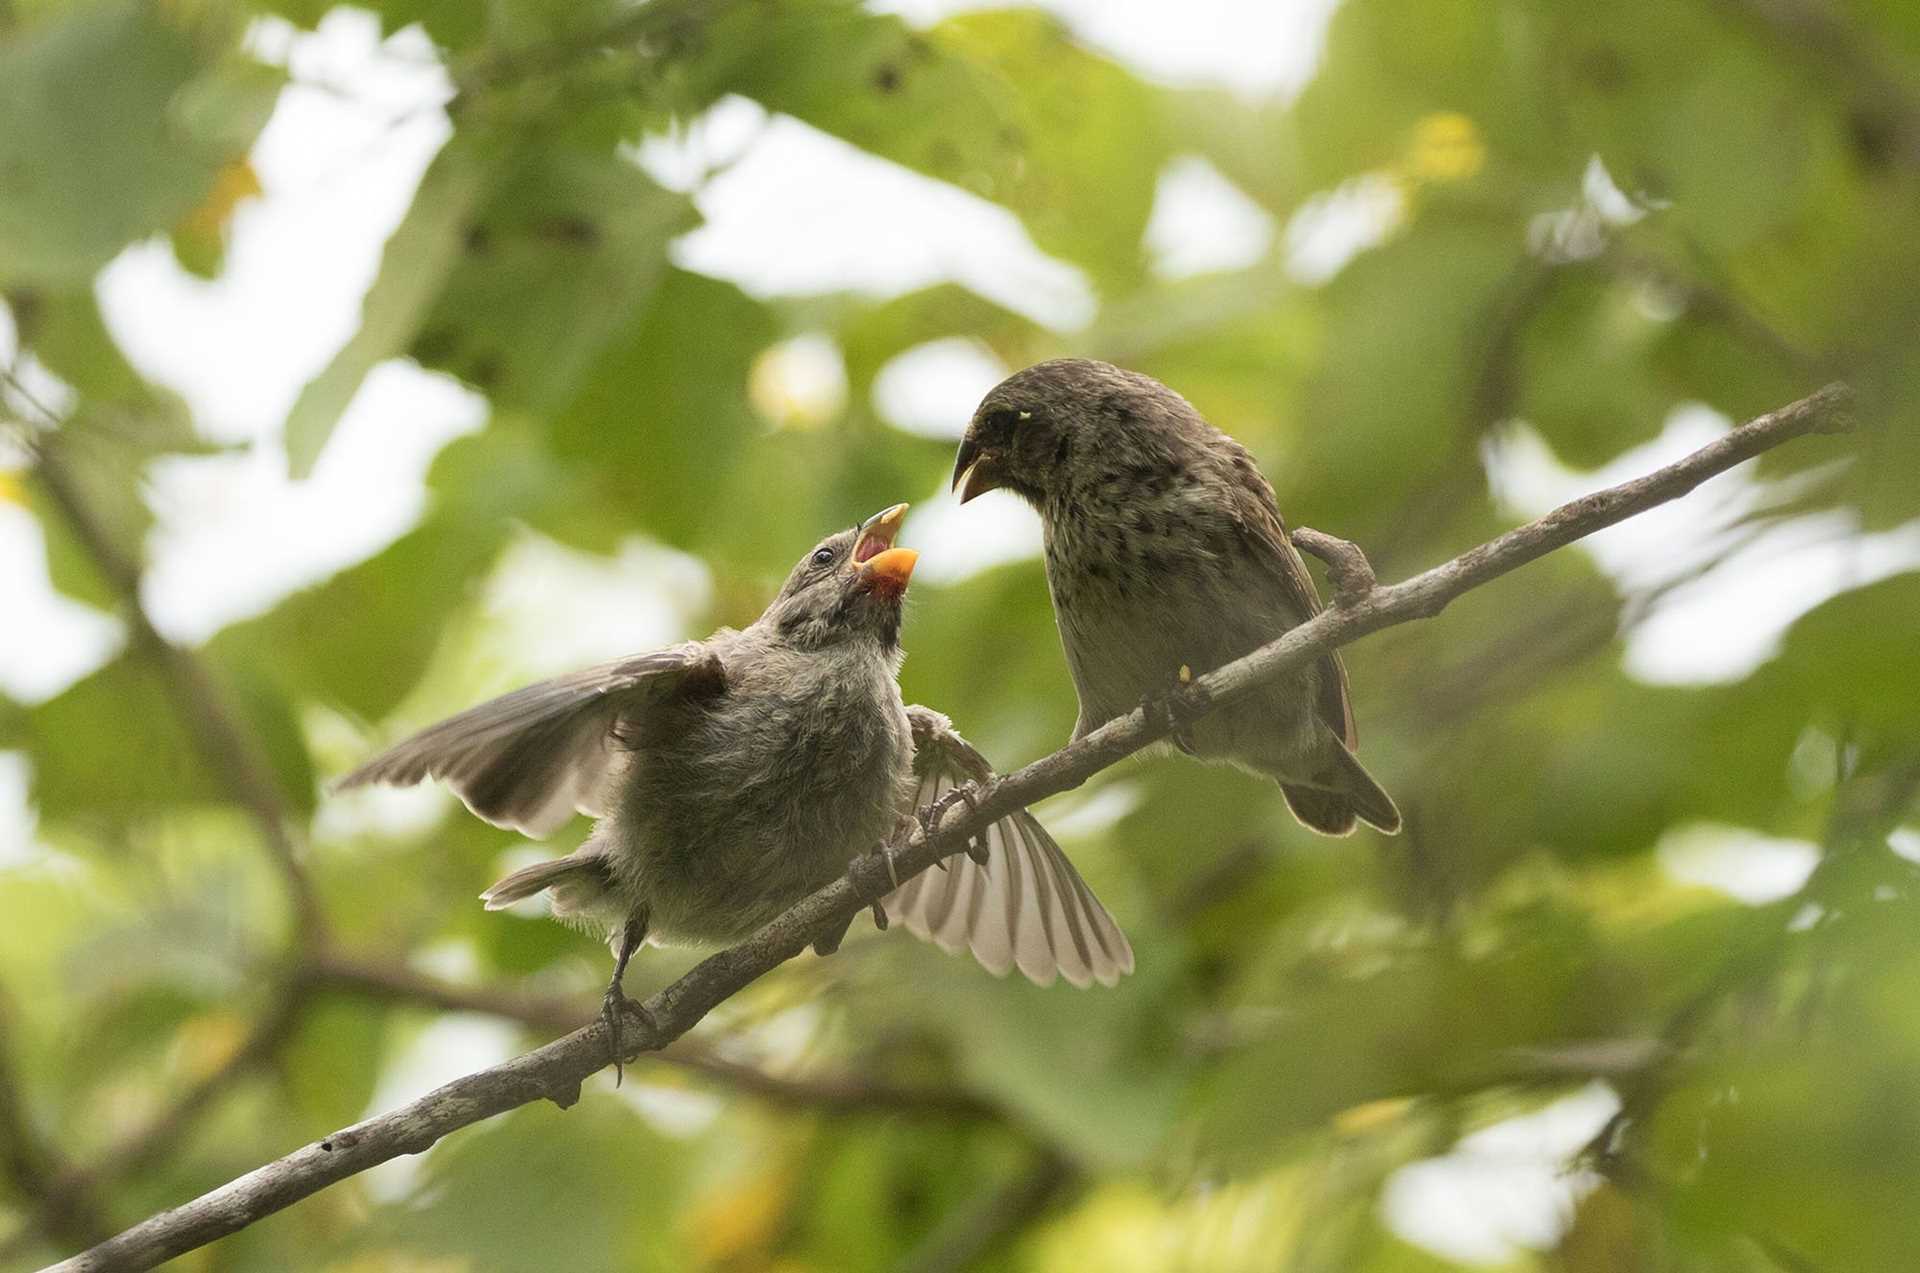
[
  {"x": 733, "y": 776},
  {"x": 1165, "y": 550}
]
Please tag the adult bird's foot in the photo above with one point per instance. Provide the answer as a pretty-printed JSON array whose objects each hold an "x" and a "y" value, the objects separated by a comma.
[
  {"x": 967, "y": 793},
  {"x": 1172, "y": 707},
  {"x": 614, "y": 1008}
]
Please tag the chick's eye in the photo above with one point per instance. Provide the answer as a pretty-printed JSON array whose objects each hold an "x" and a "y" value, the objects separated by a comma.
[{"x": 822, "y": 556}]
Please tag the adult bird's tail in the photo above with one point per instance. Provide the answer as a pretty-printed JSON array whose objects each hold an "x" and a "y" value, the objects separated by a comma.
[{"x": 1342, "y": 794}]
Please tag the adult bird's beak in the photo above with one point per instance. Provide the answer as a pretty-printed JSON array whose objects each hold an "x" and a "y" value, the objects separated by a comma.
[
  {"x": 975, "y": 470},
  {"x": 877, "y": 533}
]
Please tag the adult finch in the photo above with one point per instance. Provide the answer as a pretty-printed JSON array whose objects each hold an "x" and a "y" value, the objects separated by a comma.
[
  {"x": 733, "y": 776},
  {"x": 1165, "y": 552}
]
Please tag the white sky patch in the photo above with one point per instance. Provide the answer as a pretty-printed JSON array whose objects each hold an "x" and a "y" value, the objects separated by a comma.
[
  {"x": 688, "y": 156},
  {"x": 1255, "y": 47},
  {"x": 47, "y": 640},
  {"x": 799, "y": 383},
  {"x": 1734, "y": 619},
  {"x": 17, "y": 820},
  {"x": 804, "y": 213},
  {"x": 1723, "y": 625},
  {"x": 957, "y": 543},
  {"x": 1745, "y": 865},
  {"x": 1330, "y": 229},
  {"x": 1203, "y": 224},
  {"x": 933, "y": 388},
  {"x": 679, "y": 1112},
  {"x": 1906, "y": 842},
  {"x": 1094, "y": 812},
  {"x": 235, "y": 534},
  {"x": 338, "y": 167},
  {"x": 1504, "y": 1190},
  {"x": 555, "y": 609}
]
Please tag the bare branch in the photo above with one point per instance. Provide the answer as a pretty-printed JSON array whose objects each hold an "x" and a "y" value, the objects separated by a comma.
[
  {"x": 555, "y": 1072},
  {"x": 1347, "y": 566}
]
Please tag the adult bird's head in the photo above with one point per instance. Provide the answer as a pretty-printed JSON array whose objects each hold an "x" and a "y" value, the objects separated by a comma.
[
  {"x": 1040, "y": 428},
  {"x": 848, "y": 587}
]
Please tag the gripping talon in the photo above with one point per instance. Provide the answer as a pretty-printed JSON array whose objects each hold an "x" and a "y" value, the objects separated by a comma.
[
  {"x": 880, "y": 920},
  {"x": 967, "y": 793}
]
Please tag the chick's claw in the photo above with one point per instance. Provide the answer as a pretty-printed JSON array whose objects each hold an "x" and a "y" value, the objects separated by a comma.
[
  {"x": 967, "y": 793},
  {"x": 614, "y": 1008}
]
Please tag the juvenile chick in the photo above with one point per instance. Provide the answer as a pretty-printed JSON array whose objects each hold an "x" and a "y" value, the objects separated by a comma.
[
  {"x": 1165, "y": 551},
  {"x": 733, "y": 776}
]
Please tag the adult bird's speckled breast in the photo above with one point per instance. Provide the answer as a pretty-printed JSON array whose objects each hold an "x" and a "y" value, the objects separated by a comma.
[{"x": 1165, "y": 551}]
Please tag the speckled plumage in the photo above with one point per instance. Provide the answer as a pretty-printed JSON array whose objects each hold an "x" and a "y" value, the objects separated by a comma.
[{"x": 1164, "y": 549}]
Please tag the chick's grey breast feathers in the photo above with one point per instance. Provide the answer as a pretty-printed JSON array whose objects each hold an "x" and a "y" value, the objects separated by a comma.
[
  {"x": 528, "y": 760},
  {"x": 1027, "y": 907}
]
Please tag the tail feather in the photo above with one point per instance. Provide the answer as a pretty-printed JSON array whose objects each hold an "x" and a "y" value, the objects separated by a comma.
[
  {"x": 1342, "y": 793},
  {"x": 1328, "y": 812},
  {"x": 587, "y": 875}
]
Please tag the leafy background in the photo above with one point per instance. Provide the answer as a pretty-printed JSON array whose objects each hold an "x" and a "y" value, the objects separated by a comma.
[{"x": 1681, "y": 905}]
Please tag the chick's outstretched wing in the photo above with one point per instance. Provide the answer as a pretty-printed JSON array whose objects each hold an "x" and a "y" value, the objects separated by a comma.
[
  {"x": 529, "y": 759},
  {"x": 1026, "y": 908}
]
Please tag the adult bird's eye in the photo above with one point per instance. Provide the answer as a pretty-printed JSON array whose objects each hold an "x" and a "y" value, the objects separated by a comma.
[{"x": 822, "y": 556}]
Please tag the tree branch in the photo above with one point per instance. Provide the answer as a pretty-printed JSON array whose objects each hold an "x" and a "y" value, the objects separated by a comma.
[{"x": 554, "y": 1072}]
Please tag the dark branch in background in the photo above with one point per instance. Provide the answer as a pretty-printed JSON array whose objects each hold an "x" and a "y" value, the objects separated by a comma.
[
  {"x": 33, "y": 1165},
  {"x": 976, "y": 1232},
  {"x": 556, "y": 1071},
  {"x": 849, "y": 1093},
  {"x": 230, "y": 749}
]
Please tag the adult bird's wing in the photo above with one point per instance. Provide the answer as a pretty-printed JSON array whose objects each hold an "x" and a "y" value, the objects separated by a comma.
[
  {"x": 1027, "y": 907},
  {"x": 529, "y": 759},
  {"x": 1257, "y": 515}
]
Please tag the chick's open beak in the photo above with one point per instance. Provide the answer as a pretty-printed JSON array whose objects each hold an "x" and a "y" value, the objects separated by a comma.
[
  {"x": 878, "y": 532},
  {"x": 975, "y": 471},
  {"x": 886, "y": 573}
]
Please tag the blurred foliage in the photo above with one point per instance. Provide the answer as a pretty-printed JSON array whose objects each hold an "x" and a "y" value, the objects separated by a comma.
[{"x": 1598, "y": 212}]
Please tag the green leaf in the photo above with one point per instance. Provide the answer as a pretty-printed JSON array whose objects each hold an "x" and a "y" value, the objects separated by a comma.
[
  {"x": 418, "y": 258},
  {"x": 90, "y": 161}
]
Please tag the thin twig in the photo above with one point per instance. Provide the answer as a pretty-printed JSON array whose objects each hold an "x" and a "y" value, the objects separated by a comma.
[
  {"x": 33, "y": 1164},
  {"x": 846, "y": 1093},
  {"x": 231, "y": 750},
  {"x": 555, "y": 1072}
]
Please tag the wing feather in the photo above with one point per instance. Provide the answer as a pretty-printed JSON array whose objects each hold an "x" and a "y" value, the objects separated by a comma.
[
  {"x": 529, "y": 759},
  {"x": 1026, "y": 908}
]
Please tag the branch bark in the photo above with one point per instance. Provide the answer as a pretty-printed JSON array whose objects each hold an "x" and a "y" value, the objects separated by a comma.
[{"x": 556, "y": 1071}]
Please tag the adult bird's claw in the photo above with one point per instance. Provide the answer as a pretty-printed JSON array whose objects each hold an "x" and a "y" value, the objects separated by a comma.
[{"x": 1173, "y": 709}]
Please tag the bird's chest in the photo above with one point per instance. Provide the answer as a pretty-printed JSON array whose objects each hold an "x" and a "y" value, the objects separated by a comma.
[
  {"x": 795, "y": 763},
  {"x": 1133, "y": 585}
]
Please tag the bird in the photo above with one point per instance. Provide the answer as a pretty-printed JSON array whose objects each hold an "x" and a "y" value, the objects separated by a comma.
[
  {"x": 733, "y": 776},
  {"x": 1166, "y": 555}
]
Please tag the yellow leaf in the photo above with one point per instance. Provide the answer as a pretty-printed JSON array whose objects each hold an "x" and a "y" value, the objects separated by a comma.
[
  {"x": 1446, "y": 146},
  {"x": 741, "y": 1220},
  {"x": 235, "y": 183}
]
